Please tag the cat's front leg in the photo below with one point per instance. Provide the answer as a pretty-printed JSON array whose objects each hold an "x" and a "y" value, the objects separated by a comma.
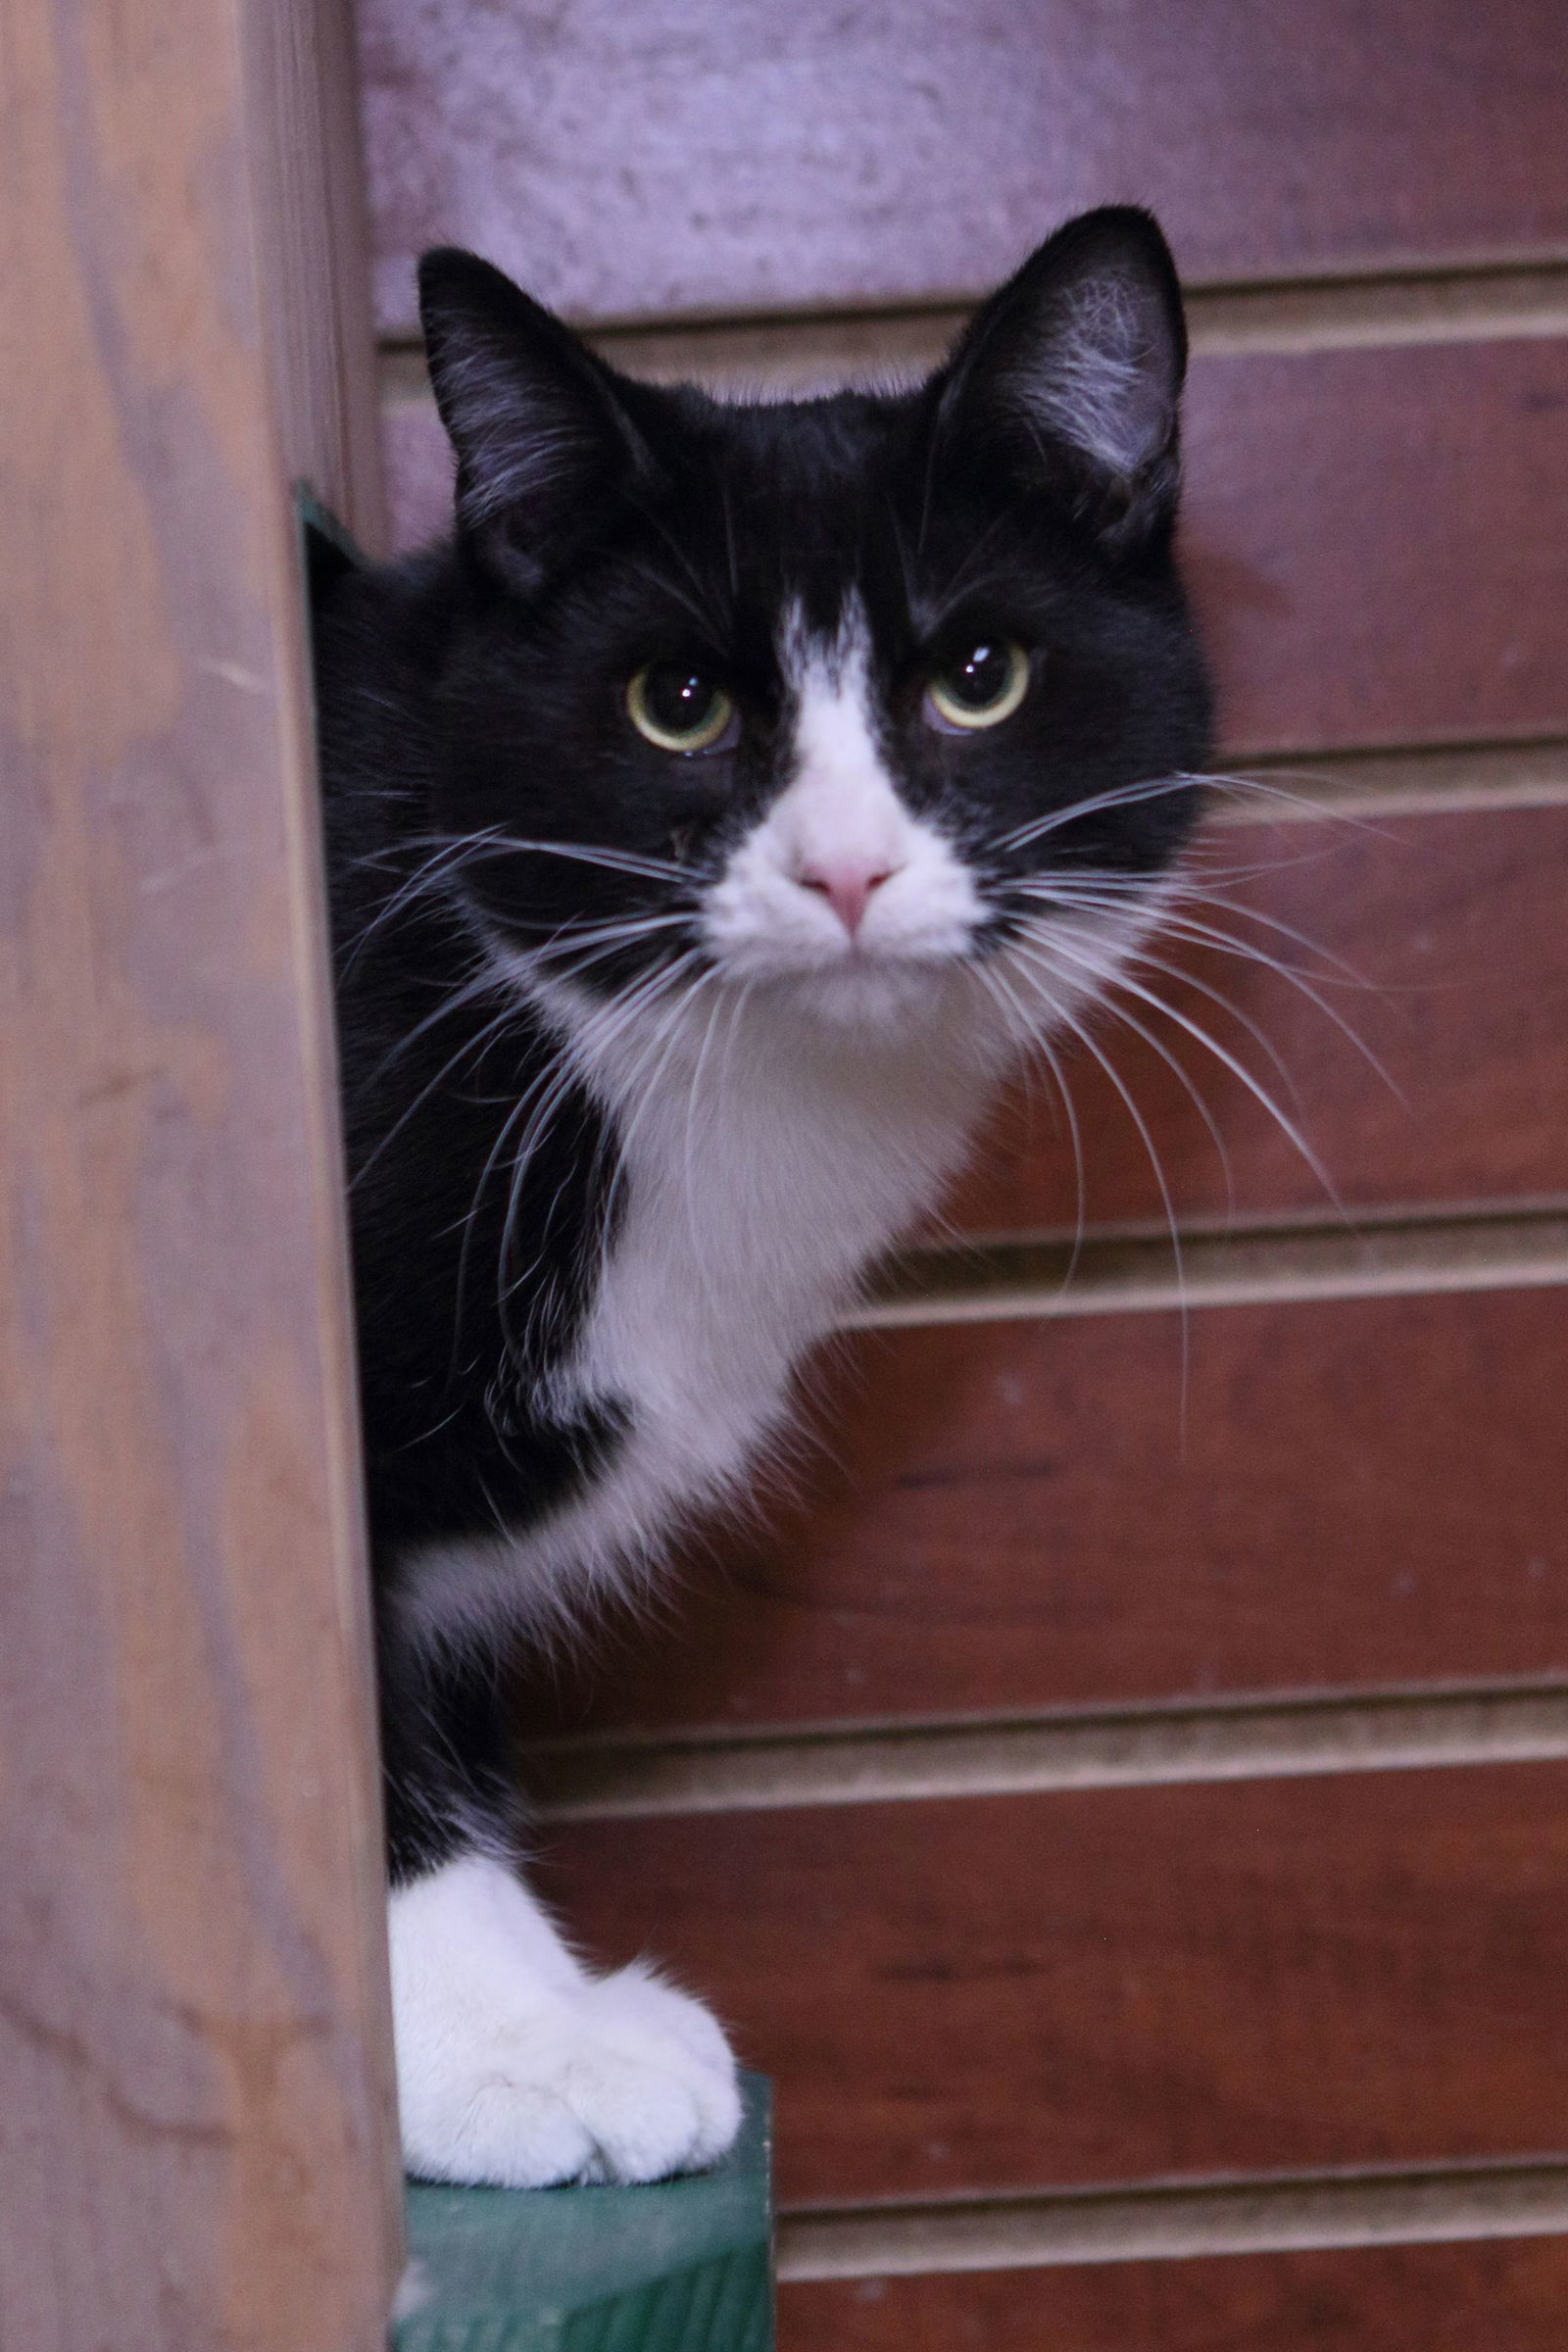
[
  {"x": 518, "y": 2067},
  {"x": 515, "y": 2065}
]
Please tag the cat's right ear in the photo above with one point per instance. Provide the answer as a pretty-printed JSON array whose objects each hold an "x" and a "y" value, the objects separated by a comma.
[
  {"x": 1071, "y": 376},
  {"x": 541, "y": 436}
]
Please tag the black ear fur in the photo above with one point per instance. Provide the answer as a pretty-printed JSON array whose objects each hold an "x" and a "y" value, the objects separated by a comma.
[
  {"x": 1077, "y": 364},
  {"x": 541, "y": 435}
]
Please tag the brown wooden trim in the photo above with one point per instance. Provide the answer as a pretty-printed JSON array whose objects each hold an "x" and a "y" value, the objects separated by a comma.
[{"x": 195, "y": 2087}]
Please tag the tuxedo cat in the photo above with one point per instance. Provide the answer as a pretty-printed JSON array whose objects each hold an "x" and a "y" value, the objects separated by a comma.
[{"x": 712, "y": 824}]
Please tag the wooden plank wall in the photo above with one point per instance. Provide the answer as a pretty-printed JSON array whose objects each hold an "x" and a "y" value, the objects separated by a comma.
[
  {"x": 1121, "y": 1800},
  {"x": 196, "y": 2131}
]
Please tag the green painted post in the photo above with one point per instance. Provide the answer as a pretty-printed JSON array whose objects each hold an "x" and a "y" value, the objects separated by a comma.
[{"x": 685, "y": 2265}]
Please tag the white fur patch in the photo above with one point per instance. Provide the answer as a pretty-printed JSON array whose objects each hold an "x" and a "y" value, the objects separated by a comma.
[
  {"x": 516, "y": 2066},
  {"x": 765, "y": 917},
  {"x": 1102, "y": 381}
]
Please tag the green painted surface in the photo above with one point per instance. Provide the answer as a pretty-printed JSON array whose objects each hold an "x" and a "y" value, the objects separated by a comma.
[{"x": 683, "y": 2266}]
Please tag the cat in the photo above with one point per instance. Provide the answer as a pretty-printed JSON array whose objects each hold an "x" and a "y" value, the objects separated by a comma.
[{"x": 713, "y": 822}]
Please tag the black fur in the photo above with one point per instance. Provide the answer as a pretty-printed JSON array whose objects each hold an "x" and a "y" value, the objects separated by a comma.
[{"x": 475, "y": 697}]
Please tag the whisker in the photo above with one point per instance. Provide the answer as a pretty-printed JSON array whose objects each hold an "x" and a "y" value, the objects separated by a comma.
[
  {"x": 1206, "y": 935},
  {"x": 429, "y": 877},
  {"x": 1174, "y": 971},
  {"x": 495, "y": 840},
  {"x": 1183, "y": 1077},
  {"x": 1121, "y": 796},
  {"x": 1320, "y": 803},
  {"x": 1058, "y": 891},
  {"x": 1085, "y": 1039},
  {"x": 1229, "y": 1061},
  {"x": 1040, "y": 1046},
  {"x": 480, "y": 1039}
]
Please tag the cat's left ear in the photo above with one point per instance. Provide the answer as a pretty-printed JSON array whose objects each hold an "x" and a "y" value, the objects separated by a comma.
[
  {"x": 1072, "y": 374},
  {"x": 542, "y": 435}
]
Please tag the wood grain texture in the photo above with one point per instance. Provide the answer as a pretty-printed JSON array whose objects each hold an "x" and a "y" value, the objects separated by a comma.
[
  {"x": 194, "y": 2064},
  {"x": 1371, "y": 535},
  {"x": 1367, "y": 536},
  {"x": 1509, "y": 2296},
  {"x": 677, "y": 158},
  {"x": 1129, "y": 1984},
  {"x": 1413, "y": 1059},
  {"x": 1014, "y": 1516},
  {"x": 313, "y": 230}
]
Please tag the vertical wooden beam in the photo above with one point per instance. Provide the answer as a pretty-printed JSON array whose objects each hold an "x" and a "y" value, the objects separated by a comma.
[{"x": 195, "y": 2112}]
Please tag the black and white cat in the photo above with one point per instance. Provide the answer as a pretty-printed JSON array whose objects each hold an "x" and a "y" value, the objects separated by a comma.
[{"x": 712, "y": 824}]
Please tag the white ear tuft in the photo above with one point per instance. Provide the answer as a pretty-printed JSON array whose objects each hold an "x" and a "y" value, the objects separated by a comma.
[
  {"x": 1078, "y": 363},
  {"x": 1099, "y": 377}
]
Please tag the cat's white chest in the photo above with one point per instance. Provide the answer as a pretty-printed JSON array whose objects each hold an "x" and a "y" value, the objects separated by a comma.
[
  {"x": 764, "y": 1165},
  {"x": 765, "y": 1171}
]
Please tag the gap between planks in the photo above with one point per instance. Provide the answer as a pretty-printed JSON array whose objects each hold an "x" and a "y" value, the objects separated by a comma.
[
  {"x": 806, "y": 352},
  {"x": 1406, "y": 1729},
  {"x": 1426, "y": 2205},
  {"x": 1137, "y": 1270},
  {"x": 1409, "y": 780}
]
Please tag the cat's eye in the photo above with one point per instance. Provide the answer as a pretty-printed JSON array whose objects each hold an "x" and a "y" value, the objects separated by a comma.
[
  {"x": 678, "y": 709},
  {"x": 982, "y": 688}
]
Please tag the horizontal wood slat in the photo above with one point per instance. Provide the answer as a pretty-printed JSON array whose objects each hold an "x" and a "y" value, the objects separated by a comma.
[
  {"x": 1429, "y": 481},
  {"x": 1508, "y": 2295},
  {"x": 1411, "y": 1057},
  {"x": 1019, "y": 1516},
  {"x": 693, "y": 159},
  {"x": 1368, "y": 533},
  {"x": 1120, "y": 1986}
]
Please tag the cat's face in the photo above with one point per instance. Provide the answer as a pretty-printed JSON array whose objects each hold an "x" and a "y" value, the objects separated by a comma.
[{"x": 845, "y": 699}]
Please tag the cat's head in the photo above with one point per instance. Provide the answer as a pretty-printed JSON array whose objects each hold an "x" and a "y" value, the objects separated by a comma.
[{"x": 860, "y": 700}]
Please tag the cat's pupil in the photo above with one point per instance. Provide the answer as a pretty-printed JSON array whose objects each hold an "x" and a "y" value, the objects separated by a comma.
[
  {"x": 981, "y": 679},
  {"x": 679, "y": 700}
]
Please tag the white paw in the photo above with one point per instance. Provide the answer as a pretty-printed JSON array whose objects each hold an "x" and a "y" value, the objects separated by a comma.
[{"x": 515, "y": 2067}]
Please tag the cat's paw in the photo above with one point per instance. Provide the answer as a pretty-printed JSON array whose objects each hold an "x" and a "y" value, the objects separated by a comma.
[
  {"x": 567, "y": 2093},
  {"x": 518, "y": 2069}
]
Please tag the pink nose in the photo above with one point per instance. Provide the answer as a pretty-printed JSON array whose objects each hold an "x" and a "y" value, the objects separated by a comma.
[{"x": 847, "y": 889}]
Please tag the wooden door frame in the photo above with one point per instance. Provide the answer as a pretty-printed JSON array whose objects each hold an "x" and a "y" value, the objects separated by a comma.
[{"x": 196, "y": 2108}]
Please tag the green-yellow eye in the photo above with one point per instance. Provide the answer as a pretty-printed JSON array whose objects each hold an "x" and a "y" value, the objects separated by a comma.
[
  {"x": 980, "y": 689},
  {"x": 679, "y": 709}
]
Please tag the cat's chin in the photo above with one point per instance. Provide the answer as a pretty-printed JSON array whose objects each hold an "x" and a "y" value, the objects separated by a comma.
[{"x": 874, "y": 996}]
